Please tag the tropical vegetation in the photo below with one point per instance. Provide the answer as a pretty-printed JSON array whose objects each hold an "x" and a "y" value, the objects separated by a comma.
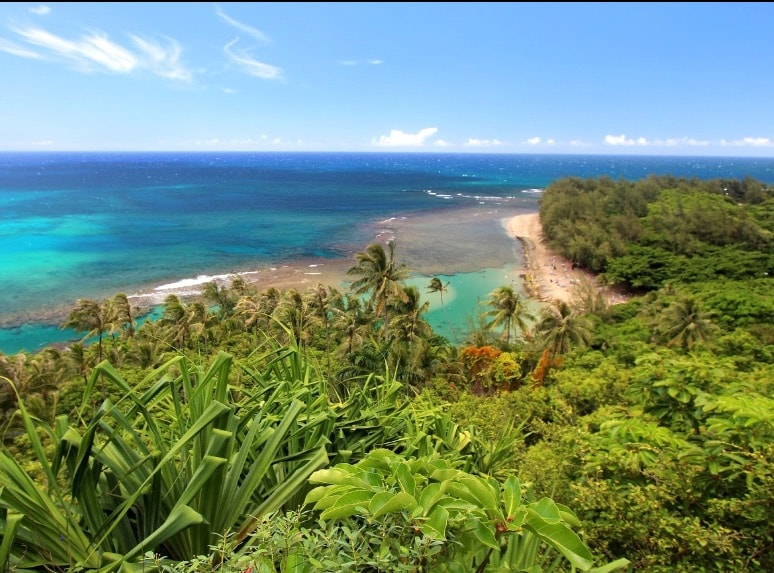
[{"x": 335, "y": 430}]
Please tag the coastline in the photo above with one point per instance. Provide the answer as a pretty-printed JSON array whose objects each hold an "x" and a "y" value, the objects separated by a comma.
[
  {"x": 464, "y": 240},
  {"x": 467, "y": 242},
  {"x": 547, "y": 275}
]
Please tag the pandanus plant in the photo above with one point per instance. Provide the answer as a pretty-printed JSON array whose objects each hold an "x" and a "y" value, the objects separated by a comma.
[{"x": 170, "y": 467}]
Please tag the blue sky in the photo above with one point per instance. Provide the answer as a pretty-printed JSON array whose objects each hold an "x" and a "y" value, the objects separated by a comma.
[{"x": 600, "y": 78}]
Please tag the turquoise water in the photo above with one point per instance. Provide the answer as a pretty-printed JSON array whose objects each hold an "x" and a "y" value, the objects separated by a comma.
[
  {"x": 90, "y": 225},
  {"x": 455, "y": 312}
]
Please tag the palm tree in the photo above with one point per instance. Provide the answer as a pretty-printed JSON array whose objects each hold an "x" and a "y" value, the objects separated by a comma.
[
  {"x": 293, "y": 311},
  {"x": 560, "y": 328},
  {"x": 508, "y": 311},
  {"x": 355, "y": 324},
  {"x": 436, "y": 285},
  {"x": 179, "y": 320},
  {"x": 221, "y": 297},
  {"x": 91, "y": 317},
  {"x": 407, "y": 314},
  {"x": 121, "y": 314},
  {"x": 325, "y": 305},
  {"x": 269, "y": 300},
  {"x": 380, "y": 276},
  {"x": 685, "y": 323},
  {"x": 248, "y": 308},
  {"x": 13, "y": 374}
]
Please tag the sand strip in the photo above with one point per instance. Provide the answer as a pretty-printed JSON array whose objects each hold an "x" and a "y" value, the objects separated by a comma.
[{"x": 547, "y": 274}]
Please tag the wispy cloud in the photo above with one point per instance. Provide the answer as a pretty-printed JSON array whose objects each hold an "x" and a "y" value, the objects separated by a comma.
[
  {"x": 358, "y": 62},
  {"x": 250, "y": 65},
  {"x": 41, "y": 10},
  {"x": 249, "y": 30},
  {"x": 242, "y": 58},
  {"x": 540, "y": 141},
  {"x": 474, "y": 142},
  {"x": 15, "y": 49},
  {"x": 162, "y": 60},
  {"x": 749, "y": 142},
  {"x": 93, "y": 49},
  {"x": 624, "y": 141},
  {"x": 96, "y": 52},
  {"x": 398, "y": 138}
]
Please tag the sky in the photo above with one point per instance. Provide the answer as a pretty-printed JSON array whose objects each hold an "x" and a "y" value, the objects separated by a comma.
[{"x": 686, "y": 79}]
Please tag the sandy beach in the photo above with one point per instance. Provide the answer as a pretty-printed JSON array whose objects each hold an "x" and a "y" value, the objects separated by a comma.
[{"x": 548, "y": 275}]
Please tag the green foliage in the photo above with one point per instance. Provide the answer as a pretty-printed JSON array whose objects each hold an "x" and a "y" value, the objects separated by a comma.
[
  {"x": 660, "y": 229},
  {"x": 185, "y": 457},
  {"x": 171, "y": 471},
  {"x": 663, "y": 450},
  {"x": 452, "y": 520}
]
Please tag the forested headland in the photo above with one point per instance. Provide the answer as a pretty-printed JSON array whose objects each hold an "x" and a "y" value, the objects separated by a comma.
[{"x": 334, "y": 430}]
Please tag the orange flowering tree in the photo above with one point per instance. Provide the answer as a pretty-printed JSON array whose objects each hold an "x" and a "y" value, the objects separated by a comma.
[{"x": 489, "y": 369}]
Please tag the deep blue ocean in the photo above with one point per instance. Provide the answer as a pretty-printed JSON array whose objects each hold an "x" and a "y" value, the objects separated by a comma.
[{"x": 90, "y": 225}]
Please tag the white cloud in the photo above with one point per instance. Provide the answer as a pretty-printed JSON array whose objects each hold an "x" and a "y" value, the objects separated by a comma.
[
  {"x": 96, "y": 52},
  {"x": 16, "y": 50},
  {"x": 474, "y": 142},
  {"x": 41, "y": 10},
  {"x": 164, "y": 61},
  {"x": 625, "y": 141},
  {"x": 749, "y": 142},
  {"x": 90, "y": 50},
  {"x": 242, "y": 58},
  {"x": 675, "y": 141},
  {"x": 399, "y": 138},
  {"x": 249, "y": 30},
  {"x": 357, "y": 63},
  {"x": 533, "y": 141},
  {"x": 441, "y": 143},
  {"x": 578, "y": 143},
  {"x": 250, "y": 65},
  {"x": 622, "y": 140}
]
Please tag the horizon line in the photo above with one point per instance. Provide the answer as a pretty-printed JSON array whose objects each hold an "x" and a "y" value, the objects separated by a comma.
[{"x": 387, "y": 152}]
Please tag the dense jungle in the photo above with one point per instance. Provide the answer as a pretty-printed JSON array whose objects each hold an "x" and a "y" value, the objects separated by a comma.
[{"x": 333, "y": 430}]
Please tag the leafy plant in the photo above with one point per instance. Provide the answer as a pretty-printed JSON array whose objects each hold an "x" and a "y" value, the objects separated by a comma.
[
  {"x": 453, "y": 521},
  {"x": 180, "y": 465}
]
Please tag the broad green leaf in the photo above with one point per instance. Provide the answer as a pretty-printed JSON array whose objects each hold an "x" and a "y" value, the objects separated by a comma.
[
  {"x": 347, "y": 505},
  {"x": 561, "y": 537},
  {"x": 430, "y": 495},
  {"x": 405, "y": 479},
  {"x": 568, "y": 515},
  {"x": 333, "y": 475},
  {"x": 316, "y": 494},
  {"x": 484, "y": 533},
  {"x": 482, "y": 491},
  {"x": 435, "y": 524},
  {"x": 511, "y": 496},
  {"x": 446, "y": 474},
  {"x": 388, "y": 502},
  {"x": 547, "y": 510}
]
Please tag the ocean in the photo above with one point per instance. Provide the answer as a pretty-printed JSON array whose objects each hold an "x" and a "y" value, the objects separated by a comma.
[{"x": 90, "y": 225}]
